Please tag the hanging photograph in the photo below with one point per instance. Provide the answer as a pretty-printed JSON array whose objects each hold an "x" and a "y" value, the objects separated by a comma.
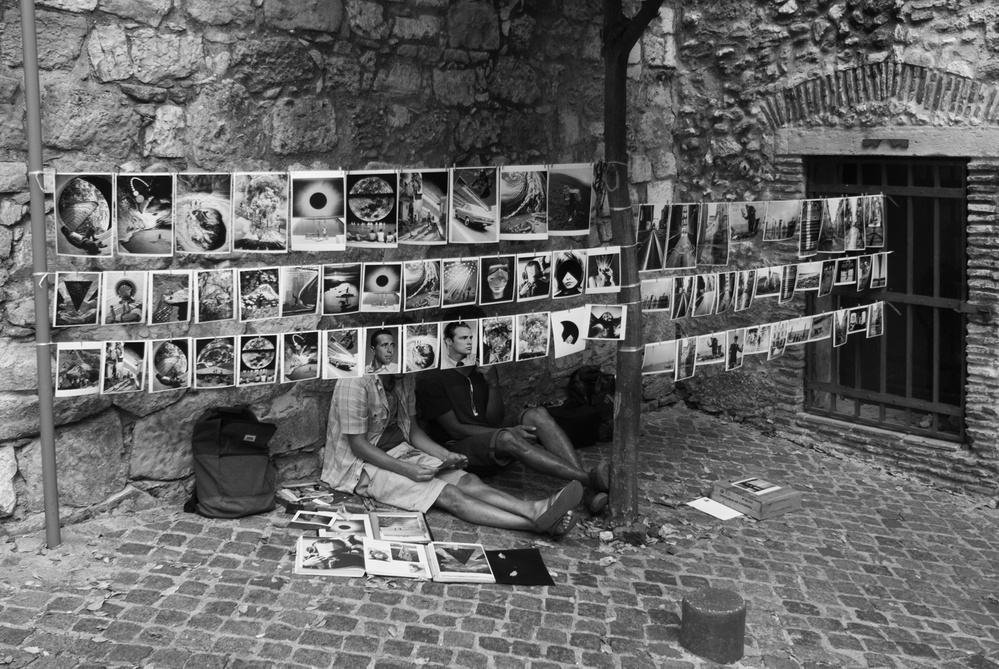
[
  {"x": 144, "y": 214},
  {"x": 534, "y": 276},
  {"x": 259, "y": 298},
  {"x": 214, "y": 295},
  {"x": 657, "y": 294},
  {"x": 726, "y": 292},
  {"x": 846, "y": 271},
  {"x": 317, "y": 212},
  {"x": 789, "y": 277},
  {"x": 84, "y": 222},
  {"x": 421, "y": 347},
  {"x": 768, "y": 281},
  {"x": 299, "y": 356},
  {"x": 781, "y": 221},
  {"x": 713, "y": 235},
  {"x": 821, "y": 327},
  {"x": 124, "y": 298},
  {"x": 460, "y": 284},
  {"x": 258, "y": 359},
  {"x": 809, "y": 228},
  {"x": 78, "y": 368},
  {"x": 170, "y": 296},
  {"x": 123, "y": 367},
  {"x": 496, "y": 279},
  {"x": 864, "y": 270},
  {"x": 569, "y": 270},
  {"x": 856, "y": 236},
  {"x": 523, "y": 202},
  {"x": 603, "y": 270},
  {"x": 660, "y": 358},
  {"x": 686, "y": 356},
  {"x": 757, "y": 339},
  {"x": 879, "y": 270},
  {"x": 214, "y": 362},
  {"x": 683, "y": 297},
  {"x": 422, "y": 287},
  {"x": 341, "y": 289},
  {"x": 734, "y": 341},
  {"x": 77, "y": 298},
  {"x": 827, "y": 275},
  {"x": 840, "y": 323},
  {"x": 533, "y": 332},
  {"x": 857, "y": 321},
  {"x": 807, "y": 276},
  {"x": 778, "y": 340},
  {"x": 463, "y": 335},
  {"x": 745, "y": 220},
  {"x": 798, "y": 330},
  {"x": 745, "y": 289},
  {"x": 340, "y": 353},
  {"x": 835, "y": 215},
  {"x": 710, "y": 349},
  {"x": 170, "y": 364},
  {"x": 568, "y": 328},
  {"x": 424, "y": 197},
  {"x": 876, "y": 319},
  {"x": 204, "y": 213},
  {"x": 496, "y": 340},
  {"x": 705, "y": 294},
  {"x": 874, "y": 221},
  {"x": 372, "y": 209},
  {"x": 382, "y": 287},
  {"x": 681, "y": 252},
  {"x": 382, "y": 349},
  {"x": 474, "y": 216},
  {"x": 299, "y": 289},
  {"x": 652, "y": 236},
  {"x": 607, "y": 321},
  {"x": 260, "y": 212},
  {"x": 570, "y": 199}
]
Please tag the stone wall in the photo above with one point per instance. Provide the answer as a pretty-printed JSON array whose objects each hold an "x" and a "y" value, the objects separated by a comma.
[{"x": 256, "y": 85}]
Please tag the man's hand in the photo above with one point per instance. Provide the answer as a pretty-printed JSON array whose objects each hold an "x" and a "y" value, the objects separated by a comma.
[
  {"x": 490, "y": 374},
  {"x": 419, "y": 473},
  {"x": 525, "y": 432},
  {"x": 454, "y": 461}
]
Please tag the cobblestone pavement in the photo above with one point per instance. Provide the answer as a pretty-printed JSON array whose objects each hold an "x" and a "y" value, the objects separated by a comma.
[{"x": 874, "y": 571}]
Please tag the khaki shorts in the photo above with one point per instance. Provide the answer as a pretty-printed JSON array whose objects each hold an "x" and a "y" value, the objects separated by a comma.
[
  {"x": 480, "y": 449},
  {"x": 390, "y": 488}
]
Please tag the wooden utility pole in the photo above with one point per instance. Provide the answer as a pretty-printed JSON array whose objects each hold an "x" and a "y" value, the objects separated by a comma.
[{"x": 619, "y": 37}]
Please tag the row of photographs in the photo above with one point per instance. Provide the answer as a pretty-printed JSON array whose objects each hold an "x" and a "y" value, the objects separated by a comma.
[
  {"x": 159, "y": 214},
  {"x": 258, "y": 293},
  {"x": 713, "y": 294},
  {"x": 685, "y": 235},
  {"x": 110, "y": 367},
  {"x": 681, "y": 357}
]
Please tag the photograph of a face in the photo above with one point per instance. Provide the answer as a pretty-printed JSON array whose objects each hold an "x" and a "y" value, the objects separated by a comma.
[
  {"x": 204, "y": 213},
  {"x": 78, "y": 368},
  {"x": 382, "y": 349},
  {"x": 372, "y": 209},
  {"x": 496, "y": 340},
  {"x": 660, "y": 358},
  {"x": 568, "y": 273},
  {"x": 424, "y": 198},
  {"x": 533, "y": 335},
  {"x": 144, "y": 214},
  {"x": 606, "y": 321},
  {"x": 340, "y": 353},
  {"x": 657, "y": 293},
  {"x": 77, "y": 298},
  {"x": 568, "y": 330},
  {"x": 317, "y": 212},
  {"x": 422, "y": 287},
  {"x": 421, "y": 349},
  {"x": 474, "y": 215},
  {"x": 214, "y": 362},
  {"x": 124, "y": 298},
  {"x": 260, "y": 212},
  {"x": 259, "y": 293},
  {"x": 603, "y": 270},
  {"x": 84, "y": 219},
  {"x": 299, "y": 289},
  {"x": 299, "y": 356},
  {"x": 341, "y": 289},
  {"x": 123, "y": 367},
  {"x": 258, "y": 359},
  {"x": 523, "y": 202},
  {"x": 459, "y": 343},
  {"x": 496, "y": 277},
  {"x": 460, "y": 282},
  {"x": 214, "y": 295},
  {"x": 382, "y": 287},
  {"x": 534, "y": 276},
  {"x": 570, "y": 199},
  {"x": 170, "y": 296},
  {"x": 170, "y": 364}
]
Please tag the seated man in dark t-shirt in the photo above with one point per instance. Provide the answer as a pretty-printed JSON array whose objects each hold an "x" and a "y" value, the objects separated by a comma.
[{"x": 463, "y": 409}]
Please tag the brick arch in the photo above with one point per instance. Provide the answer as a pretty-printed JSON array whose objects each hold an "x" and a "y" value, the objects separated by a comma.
[{"x": 896, "y": 86}]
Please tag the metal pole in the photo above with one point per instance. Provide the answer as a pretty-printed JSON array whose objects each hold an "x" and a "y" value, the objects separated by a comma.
[{"x": 39, "y": 263}]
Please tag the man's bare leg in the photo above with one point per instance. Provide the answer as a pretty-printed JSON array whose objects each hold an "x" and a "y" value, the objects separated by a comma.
[
  {"x": 554, "y": 440},
  {"x": 457, "y": 500}
]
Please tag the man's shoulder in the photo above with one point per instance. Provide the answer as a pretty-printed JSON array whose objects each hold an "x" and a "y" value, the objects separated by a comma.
[
  {"x": 437, "y": 378},
  {"x": 354, "y": 384}
]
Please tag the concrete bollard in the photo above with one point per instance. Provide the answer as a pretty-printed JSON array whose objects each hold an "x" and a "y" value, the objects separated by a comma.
[{"x": 713, "y": 624}]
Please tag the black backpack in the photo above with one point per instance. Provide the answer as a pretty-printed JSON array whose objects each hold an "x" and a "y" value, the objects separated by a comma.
[{"x": 233, "y": 472}]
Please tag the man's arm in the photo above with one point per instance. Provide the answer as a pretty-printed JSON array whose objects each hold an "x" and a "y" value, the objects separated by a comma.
[
  {"x": 363, "y": 449},
  {"x": 422, "y": 441}
]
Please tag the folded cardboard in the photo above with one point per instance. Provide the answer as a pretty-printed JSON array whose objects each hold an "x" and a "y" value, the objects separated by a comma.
[{"x": 756, "y": 497}]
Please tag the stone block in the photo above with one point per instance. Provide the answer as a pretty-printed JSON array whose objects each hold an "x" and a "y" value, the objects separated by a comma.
[
  {"x": 303, "y": 125},
  {"x": 161, "y": 442},
  {"x": 8, "y": 468},
  {"x": 271, "y": 63},
  {"x": 321, "y": 15},
  {"x": 165, "y": 137},
  {"x": 60, "y": 37},
  {"x": 159, "y": 57},
  {"x": 21, "y": 371},
  {"x": 77, "y": 115},
  {"x": 421, "y": 28},
  {"x": 514, "y": 81},
  {"x": 367, "y": 19},
  {"x": 455, "y": 87},
  {"x": 150, "y": 12},
  {"x": 400, "y": 78},
  {"x": 78, "y": 6},
  {"x": 108, "y": 52},
  {"x": 473, "y": 25},
  {"x": 220, "y": 118},
  {"x": 220, "y": 12}
]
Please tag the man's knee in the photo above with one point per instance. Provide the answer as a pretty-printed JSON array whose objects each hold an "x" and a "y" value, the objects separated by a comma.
[
  {"x": 538, "y": 417},
  {"x": 509, "y": 444}
]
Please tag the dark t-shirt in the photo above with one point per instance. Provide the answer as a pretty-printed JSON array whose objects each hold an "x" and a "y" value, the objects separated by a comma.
[{"x": 443, "y": 390}]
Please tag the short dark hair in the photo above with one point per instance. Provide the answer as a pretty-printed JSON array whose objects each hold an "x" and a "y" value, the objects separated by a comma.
[
  {"x": 450, "y": 328},
  {"x": 373, "y": 339}
]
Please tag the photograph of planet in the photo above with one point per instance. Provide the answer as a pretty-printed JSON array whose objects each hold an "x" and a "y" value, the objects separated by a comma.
[
  {"x": 83, "y": 204},
  {"x": 317, "y": 211},
  {"x": 171, "y": 364},
  {"x": 257, "y": 359},
  {"x": 204, "y": 213},
  {"x": 372, "y": 209},
  {"x": 214, "y": 362}
]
